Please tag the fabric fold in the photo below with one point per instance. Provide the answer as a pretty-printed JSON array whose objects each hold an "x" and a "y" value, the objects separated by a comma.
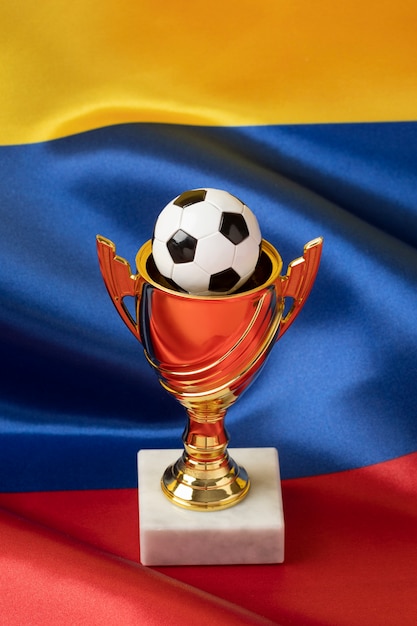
[{"x": 47, "y": 578}]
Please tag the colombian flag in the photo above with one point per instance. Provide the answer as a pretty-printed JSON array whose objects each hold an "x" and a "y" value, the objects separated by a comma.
[{"x": 305, "y": 110}]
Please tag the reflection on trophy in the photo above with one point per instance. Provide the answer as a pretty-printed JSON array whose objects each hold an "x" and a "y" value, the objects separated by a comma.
[{"x": 207, "y": 331}]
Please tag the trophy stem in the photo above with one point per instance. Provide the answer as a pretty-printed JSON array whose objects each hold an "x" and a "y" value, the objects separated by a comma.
[{"x": 205, "y": 477}]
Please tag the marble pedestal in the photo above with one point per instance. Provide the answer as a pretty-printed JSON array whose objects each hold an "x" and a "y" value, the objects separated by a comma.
[{"x": 249, "y": 532}]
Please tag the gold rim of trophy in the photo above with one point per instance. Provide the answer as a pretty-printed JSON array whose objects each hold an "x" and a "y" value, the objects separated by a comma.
[{"x": 145, "y": 253}]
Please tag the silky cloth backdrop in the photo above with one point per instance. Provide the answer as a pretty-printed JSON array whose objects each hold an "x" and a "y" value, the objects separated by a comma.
[{"x": 307, "y": 113}]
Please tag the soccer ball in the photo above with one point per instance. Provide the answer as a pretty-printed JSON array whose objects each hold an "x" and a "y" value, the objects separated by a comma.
[{"x": 206, "y": 242}]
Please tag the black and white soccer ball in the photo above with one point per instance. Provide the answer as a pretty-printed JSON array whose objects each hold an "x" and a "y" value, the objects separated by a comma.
[{"x": 206, "y": 242}]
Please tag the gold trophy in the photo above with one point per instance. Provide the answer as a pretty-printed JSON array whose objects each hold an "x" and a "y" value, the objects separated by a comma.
[{"x": 206, "y": 350}]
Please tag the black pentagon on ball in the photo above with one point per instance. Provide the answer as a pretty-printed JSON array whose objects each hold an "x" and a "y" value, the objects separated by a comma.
[
  {"x": 190, "y": 197},
  {"x": 223, "y": 281},
  {"x": 182, "y": 247},
  {"x": 233, "y": 226}
]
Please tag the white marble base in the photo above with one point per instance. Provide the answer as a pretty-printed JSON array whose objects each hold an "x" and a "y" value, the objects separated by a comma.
[{"x": 249, "y": 532}]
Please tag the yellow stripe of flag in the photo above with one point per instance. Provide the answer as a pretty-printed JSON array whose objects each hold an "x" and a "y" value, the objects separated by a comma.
[{"x": 71, "y": 66}]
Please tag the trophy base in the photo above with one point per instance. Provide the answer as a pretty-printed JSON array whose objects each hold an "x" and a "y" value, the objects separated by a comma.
[
  {"x": 251, "y": 532},
  {"x": 185, "y": 483}
]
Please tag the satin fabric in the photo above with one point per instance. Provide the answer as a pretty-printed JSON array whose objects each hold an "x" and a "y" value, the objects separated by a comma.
[
  {"x": 351, "y": 550},
  {"x": 305, "y": 111},
  {"x": 337, "y": 391},
  {"x": 78, "y": 400},
  {"x": 70, "y": 68},
  {"x": 48, "y": 579}
]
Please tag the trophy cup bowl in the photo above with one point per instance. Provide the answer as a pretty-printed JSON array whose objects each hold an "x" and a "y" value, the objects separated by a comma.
[{"x": 206, "y": 351}]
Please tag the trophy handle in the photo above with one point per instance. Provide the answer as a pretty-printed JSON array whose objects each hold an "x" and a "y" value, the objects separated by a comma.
[
  {"x": 119, "y": 280},
  {"x": 299, "y": 280}
]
